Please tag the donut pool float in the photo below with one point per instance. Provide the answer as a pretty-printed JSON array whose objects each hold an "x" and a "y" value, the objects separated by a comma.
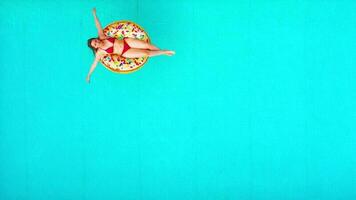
[{"x": 120, "y": 30}]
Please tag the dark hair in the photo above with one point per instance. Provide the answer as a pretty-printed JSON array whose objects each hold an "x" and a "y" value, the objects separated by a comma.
[{"x": 91, "y": 47}]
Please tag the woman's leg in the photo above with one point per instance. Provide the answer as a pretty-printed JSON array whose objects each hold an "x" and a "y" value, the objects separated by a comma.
[
  {"x": 139, "y": 44},
  {"x": 137, "y": 53}
]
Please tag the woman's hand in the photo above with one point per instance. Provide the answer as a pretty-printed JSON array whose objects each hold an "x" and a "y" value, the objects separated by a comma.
[
  {"x": 88, "y": 78},
  {"x": 94, "y": 11}
]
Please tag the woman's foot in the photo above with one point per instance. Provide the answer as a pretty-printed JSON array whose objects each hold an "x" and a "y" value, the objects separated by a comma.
[{"x": 169, "y": 53}]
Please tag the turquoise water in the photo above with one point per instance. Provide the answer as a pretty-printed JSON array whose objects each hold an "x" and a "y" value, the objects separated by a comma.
[{"x": 258, "y": 103}]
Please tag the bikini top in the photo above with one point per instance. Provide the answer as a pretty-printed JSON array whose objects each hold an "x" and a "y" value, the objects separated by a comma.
[{"x": 110, "y": 49}]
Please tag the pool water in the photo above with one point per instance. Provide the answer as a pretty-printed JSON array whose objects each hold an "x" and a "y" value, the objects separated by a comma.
[{"x": 258, "y": 103}]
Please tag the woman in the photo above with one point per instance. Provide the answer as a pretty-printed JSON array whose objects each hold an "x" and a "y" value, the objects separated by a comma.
[{"x": 128, "y": 47}]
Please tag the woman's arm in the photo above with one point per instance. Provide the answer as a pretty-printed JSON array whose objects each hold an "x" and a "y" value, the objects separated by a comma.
[
  {"x": 98, "y": 25},
  {"x": 93, "y": 66}
]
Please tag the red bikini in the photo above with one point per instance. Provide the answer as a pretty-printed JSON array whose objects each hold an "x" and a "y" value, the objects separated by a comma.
[
  {"x": 111, "y": 49},
  {"x": 126, "y": 46}
]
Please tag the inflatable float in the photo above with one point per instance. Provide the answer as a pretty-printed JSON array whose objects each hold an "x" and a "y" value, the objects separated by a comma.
[{"x": 120, "y": 30}]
